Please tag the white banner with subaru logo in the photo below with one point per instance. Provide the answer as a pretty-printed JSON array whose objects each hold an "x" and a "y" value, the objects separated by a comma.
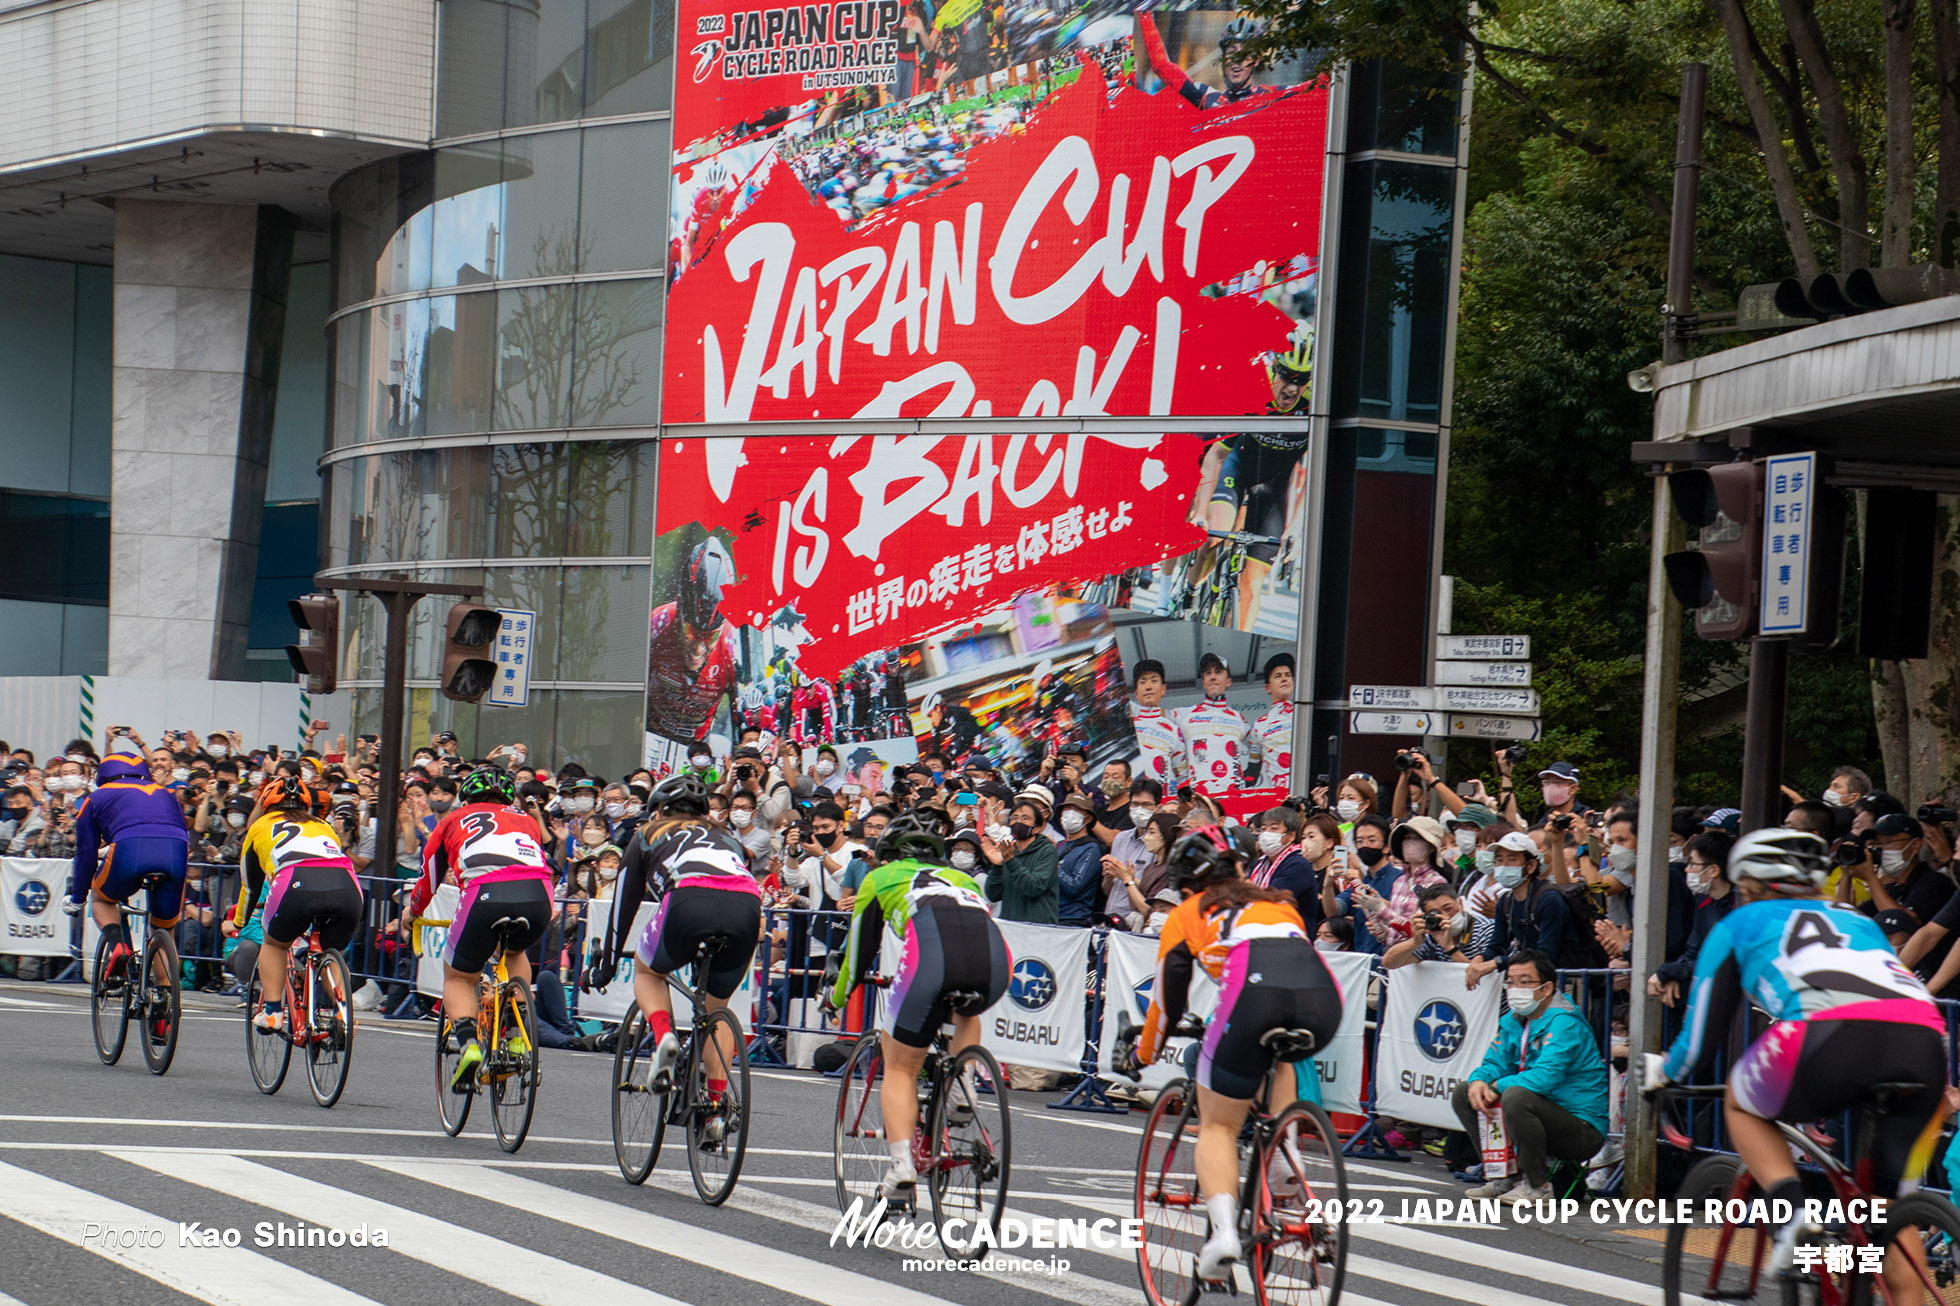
[
  {"x": 1132, "y": 978},
  {"x": 1434, "y": 1032},
  {"x": 31, "y": 890},
  {"x": 1043, "y": 1020}
]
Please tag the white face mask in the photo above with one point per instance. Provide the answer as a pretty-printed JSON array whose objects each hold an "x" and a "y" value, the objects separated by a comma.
[
  {"x": 998, "y": 832},
  {"x": 581, "y": 804},
  {"x": 1417, "y": 852},
  {"x": 1892, "y": 860},
  {"x": 1072, "y": 821},
  {"x": 607, "y": 874},
  {"x": 1466, "y": 842},
  {"x": 634, "y": 809},
  {"x": 962, "y": 816},
  {"x": 825, "y": 766},
  {"x": 1271, "y": 841},
  {"x": 740, "y": 817},
  {"x": 1701, "y": 881},
  {"x": 1140, "y": 816},
  {"x": 1831, "y": 798},
  {"x": 256, "y": 777},
  {"x": 1621, "y": 859},
  {"x": 180, "y": 774},
  {"x": 219, "y": 750},
  {"x": 1326, "y": 945},
  {"x": 308, "y": 774},
  {"x": 1523, "y": 1002},
  {"x": 1510, "y": 877},
  {"x": 615, "y": 810},
  {"x": 235, "y": 819},
  {"x": 699, "y": 761},
  {"x": 1348, "y": 809},
  {"x": 962, "y": 859}
]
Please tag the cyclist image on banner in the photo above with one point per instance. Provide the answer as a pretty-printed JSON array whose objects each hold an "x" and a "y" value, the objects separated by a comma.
[{"x": 690, "y": 642}]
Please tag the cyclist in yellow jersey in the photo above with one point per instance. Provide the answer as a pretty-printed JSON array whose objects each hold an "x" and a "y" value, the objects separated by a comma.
[{"x": 299, "y": 863}]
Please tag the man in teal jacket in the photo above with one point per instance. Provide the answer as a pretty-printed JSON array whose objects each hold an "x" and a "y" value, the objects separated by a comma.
[{"x": 1544, "y": 1073}]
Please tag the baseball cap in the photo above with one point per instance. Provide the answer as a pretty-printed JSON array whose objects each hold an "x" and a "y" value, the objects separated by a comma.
[
  {"x": 1211, "y": 662},
  {"x": 1474, "y": 815},
  {"x": 1561, "y": 771},
  {"x": 1039, "y": 794},
  {"x": 1080, "y": 800},
  {"x": 1518, "y": 842},
  {"x": 1897, "y": 920},
  {"x": 1894, "y": 824},
  {"x": 1726, "y": 819}
]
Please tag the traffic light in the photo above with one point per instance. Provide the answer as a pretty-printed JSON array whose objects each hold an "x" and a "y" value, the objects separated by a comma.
[
  {"x": 467, "y": 666},
  {"x": 1722, "y": 579},
  {"x": 1861, "y": 290},
  {"x": 317, "y": 655}
]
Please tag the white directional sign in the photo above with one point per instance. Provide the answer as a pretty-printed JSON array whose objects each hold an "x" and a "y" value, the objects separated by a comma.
[
  {"x": 1392, "y": 723},
  {"x": 511, "y": 650},
  {"x": 1397, "y": 698},
  {"x": 1462, "y": 698},
  {"x": 1483, "y": 646},
  {"x": 1512, "y": 674},
  {"x": 1787, "y": 481},
  {"x": 1526, "y": 728}
]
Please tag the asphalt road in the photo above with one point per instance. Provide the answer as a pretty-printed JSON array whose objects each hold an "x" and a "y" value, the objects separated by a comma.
[{"x": 85, "y": 1145}]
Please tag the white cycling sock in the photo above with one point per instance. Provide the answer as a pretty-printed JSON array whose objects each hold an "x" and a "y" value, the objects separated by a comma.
[
  {"x": 1224, "y": 1209},
  {"x": 901, "y": 1150}
]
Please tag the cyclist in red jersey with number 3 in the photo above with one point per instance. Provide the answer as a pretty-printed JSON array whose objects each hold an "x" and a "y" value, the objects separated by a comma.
[{"x": 495, "y": 854}]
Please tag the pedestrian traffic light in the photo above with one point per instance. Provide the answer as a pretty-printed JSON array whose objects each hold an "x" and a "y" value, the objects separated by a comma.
[
  {"x": 317, "y": 655},
  {"x": 468, "y": 668},
  {"x": 1722, "y": 578}
]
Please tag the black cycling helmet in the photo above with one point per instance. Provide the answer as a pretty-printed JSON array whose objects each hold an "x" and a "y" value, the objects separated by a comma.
[
  {"x": 709, "y": 571},
  {"x": 910, "y": 835},
  {"x": 1200, "y": 859},
  {"x": 681, "y": 795},
  {"x": 487, "y": 784}
]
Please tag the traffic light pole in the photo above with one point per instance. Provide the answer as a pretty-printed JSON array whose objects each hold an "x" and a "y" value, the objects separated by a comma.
[
  {"x": 397, "y": 600},
  {"x": 1762, "y": 730},
  {"x": 1660, "y": 692}
]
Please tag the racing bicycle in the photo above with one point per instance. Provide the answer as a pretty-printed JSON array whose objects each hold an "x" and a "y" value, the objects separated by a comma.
[
  {"x": 1727, "y": 1260},
  {"x": 717, "y": 1123},
  {"x": 319, "y": 1019},
  {"x": 509, "y": 1071},
  {"x": 1292, "y": 1190},
  {"x": 150, "y": 996},
  {"x": 962, "y": 1150}
]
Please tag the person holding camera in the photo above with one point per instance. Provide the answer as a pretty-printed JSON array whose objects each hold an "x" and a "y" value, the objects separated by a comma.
[
  {"x": 1888, "y": 860},
  {"x": 1444, "y": 931}
]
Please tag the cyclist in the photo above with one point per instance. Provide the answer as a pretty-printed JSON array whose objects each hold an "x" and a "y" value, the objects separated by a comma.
[
  {"x": 495, "y": 854},
  {"x": 1235, "y": 60},
  {"x": 698, "y": 874},
  {"x": 1846, "y": 1014},
  {"x": 691, "y": 648},
  {"x": 950, "y": 944},
  {"x": 1253, "y": 942},
  {"x": 139, "y": 828},
  {"x": 312, "y": 881}
]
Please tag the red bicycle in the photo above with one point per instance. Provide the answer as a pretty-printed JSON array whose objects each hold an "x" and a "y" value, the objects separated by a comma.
[
  {"x": 1727, "y": 1259},
  {"x": 319, "y": 1020}
]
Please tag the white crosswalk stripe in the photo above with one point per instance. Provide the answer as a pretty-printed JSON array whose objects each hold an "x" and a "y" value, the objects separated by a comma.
[{"x": 224, "y": 1276}]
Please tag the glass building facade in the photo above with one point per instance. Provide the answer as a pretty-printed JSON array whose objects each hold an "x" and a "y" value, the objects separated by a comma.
[{"x": 494, "y": 365}]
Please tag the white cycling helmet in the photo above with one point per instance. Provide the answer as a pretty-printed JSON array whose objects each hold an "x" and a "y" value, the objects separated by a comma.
[{"x": 1791, "y": 861}]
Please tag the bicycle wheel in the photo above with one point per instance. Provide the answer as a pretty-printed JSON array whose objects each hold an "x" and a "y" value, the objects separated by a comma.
[
  {"x": 331, "y": 1048},
  {"x": 451, "y": 1106},
  {"x": 639, "y": 1115},
  {"x": 718, "y": 1124},
  {"x": 1712, "y": 1261},
  {"x": 1299, "y": 1258},
  {"x": 267, "y": 1054},
  {"x": 1173, "y": 1215},
  {"x": 857, "y": 1147},
  {"x": 1925, "y": 1228},
  {"x": 514, "y": 1068},
  {"x": 108, "y": 1006},
  {"x": 165, "y": 1007},
  {"x": 971, "y": 1149}
]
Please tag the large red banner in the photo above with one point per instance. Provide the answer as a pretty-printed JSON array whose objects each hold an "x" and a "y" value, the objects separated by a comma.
[
  {"x": 984, "y": 223},
  {"x": 864, "y": 542}
]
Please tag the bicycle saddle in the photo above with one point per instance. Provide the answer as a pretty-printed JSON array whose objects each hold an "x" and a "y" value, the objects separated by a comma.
[
  {"x": 714, "y": 943},
  {"x": 1882, "y": 1097},
  {"x": 965, "y": 1002},
  {"x": 504, "y": 923},
  {"x": 1289, "y": 1044}
]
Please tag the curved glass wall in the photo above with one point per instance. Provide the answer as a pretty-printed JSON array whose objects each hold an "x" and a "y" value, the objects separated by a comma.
[{"x": 495, "y": 331}]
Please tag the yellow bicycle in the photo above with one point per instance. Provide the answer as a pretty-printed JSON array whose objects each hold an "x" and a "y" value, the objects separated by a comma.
[{"x": 510, "y": 1069}]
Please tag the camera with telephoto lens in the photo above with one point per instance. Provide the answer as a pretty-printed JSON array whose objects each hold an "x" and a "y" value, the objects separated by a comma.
[
  {"x": 1851, "y": 852},
  {"x": 745, "y": 773},
  {"x": 1938, "y": 814},
  {"x": 1516, "y": 754},
  {"x": 1408, "y": 759}
]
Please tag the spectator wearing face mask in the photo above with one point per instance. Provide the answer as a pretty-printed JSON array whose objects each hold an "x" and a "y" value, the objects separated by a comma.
[
  {"x": 1531, "y": 914},
  {"x": 1848, "y": 787},
  {"x": 1079, "y": 863},
  {"x": 825, "y": 769},
  {"x": 1027, "y": 881},
  {"x": 1558, "y": 784},
  {"x": 749, "y": 831},
  {"x": 1353, "y": 800},
  {"x": 1544, "y": 1075},
  {"x": 1132, "y": 880},
  {"x": 1443, "y": 931},
  {"x": 1707, "y": 876},
  {"x": 1283, "y": 864},
  {"x": 21, "y": 821},
  {"x": 1418, "y": 844},
  {"x": 1335, "y": 934},
  {"x": 1368, "y": 876},
  {"x": 701, "y": 764},
  {"x": 1894, "y": 871}
]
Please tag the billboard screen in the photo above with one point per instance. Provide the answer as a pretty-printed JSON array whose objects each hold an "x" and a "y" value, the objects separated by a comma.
[{"x": 959, "y": 209}]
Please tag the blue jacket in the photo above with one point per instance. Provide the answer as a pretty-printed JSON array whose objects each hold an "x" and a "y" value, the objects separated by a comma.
[
  {"x": 1382, "y": 880},
  {"x": 1560, "y": 1060},
  {"x": 1081, "y": 880},
  {"x": 125, "y": 805}
]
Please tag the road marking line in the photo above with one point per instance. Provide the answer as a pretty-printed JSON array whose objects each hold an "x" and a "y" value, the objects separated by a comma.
[
  {"x": 1577, "y": 1278},
  {"x": 507, "y": 1267},
  {"x": 63, "y": 1211},
  {"x": 737, "y": 1257}
]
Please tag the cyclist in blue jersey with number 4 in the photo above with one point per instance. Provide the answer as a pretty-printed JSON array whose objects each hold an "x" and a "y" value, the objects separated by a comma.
[{"x": 1846, "y": 1014}]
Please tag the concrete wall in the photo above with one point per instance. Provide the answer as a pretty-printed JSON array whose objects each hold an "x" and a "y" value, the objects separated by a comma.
[{"x": 44, "y": 712}]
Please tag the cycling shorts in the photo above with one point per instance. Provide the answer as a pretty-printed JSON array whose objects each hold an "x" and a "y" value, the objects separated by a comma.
[
  {"x": 1805, "y": 1070},
  {"x": 697, "y": 908},
  {"x": 1267, "y": 984},
  {"x": 493, "y": 895},
  {"x": 129, "y": 860},
  {"x": 309, "y": 893},
  {"x": 949, "y": 948}
]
